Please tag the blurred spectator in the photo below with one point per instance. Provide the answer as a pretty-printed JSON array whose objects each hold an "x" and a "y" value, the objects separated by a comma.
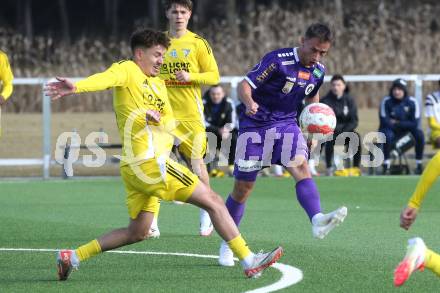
[
  {"x": 6, "y": 78},
  {"x": 399, "y": 116},
  {"x": 220, "y": 119},
  {"x": 344, "y": 106},
  {"x": 432, "y": 108}
]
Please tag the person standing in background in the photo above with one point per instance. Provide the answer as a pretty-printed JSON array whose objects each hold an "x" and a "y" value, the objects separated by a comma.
[
  {"x": 189, "y": 63},
  {"x": 344, "y": 106}
]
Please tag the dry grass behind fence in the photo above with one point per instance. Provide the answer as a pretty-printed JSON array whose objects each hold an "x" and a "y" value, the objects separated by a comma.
[{"x": 372, "y": 37}]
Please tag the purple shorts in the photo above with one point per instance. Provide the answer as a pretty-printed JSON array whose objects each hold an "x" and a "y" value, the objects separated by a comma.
[{"x": 257, "y": 148}]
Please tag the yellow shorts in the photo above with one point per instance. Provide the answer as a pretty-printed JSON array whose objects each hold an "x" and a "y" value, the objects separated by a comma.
[
  {"x": 192, "y": 139},
  {"x": 145, "y": 184}
]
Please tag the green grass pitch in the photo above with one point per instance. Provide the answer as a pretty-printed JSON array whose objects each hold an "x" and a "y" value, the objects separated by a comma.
[{"x": 358, "y": 256}]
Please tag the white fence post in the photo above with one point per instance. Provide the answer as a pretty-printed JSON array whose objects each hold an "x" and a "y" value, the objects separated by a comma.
[
  {"x": 46, "y": 133},
  {"x": 418, "y": 94}
]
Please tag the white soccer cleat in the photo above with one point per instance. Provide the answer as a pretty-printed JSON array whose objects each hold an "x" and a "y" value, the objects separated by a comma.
[
  {"x": 154, "y": 229},
  {"x": 323, "y": 224},
  {"x": 414, "y": 260},
  {"x": 226, "y": 256},
  {"x": 66, "y": 261},
  {"x": 154, "y": 233},
  {"x": 206, "y": 226},
  {"x": 262, "y": 261}
]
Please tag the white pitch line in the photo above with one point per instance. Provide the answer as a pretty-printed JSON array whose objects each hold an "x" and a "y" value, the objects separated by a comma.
[{"x": 290, "y": 274}]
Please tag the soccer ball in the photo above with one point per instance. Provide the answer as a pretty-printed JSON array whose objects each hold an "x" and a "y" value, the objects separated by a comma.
[{"x": 318, "y": 118}]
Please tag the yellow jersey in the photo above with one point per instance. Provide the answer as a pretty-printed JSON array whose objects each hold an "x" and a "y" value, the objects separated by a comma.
[
  {"x": 193, "y": 54},
  {"x": 133, "y": 94},
  {"x": 429, "y": 176},
  {"x": 6, "y": 76}
]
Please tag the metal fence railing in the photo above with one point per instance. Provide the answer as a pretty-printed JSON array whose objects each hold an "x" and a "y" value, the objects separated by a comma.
[{"x": 46, "y": 160}]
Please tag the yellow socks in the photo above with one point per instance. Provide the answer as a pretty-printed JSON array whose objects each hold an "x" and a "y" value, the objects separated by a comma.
[
  {"x": 239, "y": 247},
  {"x": 88, "y": 250},
  {"x": 432, "y": 261}
]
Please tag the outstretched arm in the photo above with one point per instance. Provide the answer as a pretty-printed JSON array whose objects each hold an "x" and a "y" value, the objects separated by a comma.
[
  {"x": 429, "y": 176},
  {"x": 60, "y": 88},
  {"x": 116, "y": 75}
]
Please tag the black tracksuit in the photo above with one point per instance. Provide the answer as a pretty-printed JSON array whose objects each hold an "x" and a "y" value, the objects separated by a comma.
[
  {"x": 406, "y": 116},
  {"x": 346, "y": 121},
  {"x": 216, "y": 117}
]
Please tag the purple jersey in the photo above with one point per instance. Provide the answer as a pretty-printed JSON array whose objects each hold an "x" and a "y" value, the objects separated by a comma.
[{"x": 279, "y": 84}]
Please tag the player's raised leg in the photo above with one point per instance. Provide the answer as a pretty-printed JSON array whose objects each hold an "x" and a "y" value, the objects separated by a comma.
[
  {"x": 417, "y": 257},
  {"x": 136, "y": 231},
  {"x": 236, "y": 204},
  {"x": 252, "y": 263},
  {"x": 308, "y": 196}
]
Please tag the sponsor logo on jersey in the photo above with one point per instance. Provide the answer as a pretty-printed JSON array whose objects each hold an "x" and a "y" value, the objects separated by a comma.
[
  {"x": 249, "y": 165},
  {"x": 287, "y": 54},
  {"x": 292, "y": 79},
  {"x": 266, "y": 72},
  {"x": 172, "y": 67},
  {"x": 302, "y": 83},
  {"x": 304, "y": 75},
  {"x": 317, "y": 73},
  {"x": 288, "y": 87},
  {"x": 186, "y": 52},
  {"x": 309, "y": 89},
  {"x": 345, "y": 111},
  {"x": 173, "y": 53},
  {"x": 406, "y": 108},
  {"x": 177, "y": 84},
  {"x": 153, "y": 100},
  {"x": 289, "y": 62}
]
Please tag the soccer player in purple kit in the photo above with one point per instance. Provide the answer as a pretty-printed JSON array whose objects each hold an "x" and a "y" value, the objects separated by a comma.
[{"x": 268, "y": 131}]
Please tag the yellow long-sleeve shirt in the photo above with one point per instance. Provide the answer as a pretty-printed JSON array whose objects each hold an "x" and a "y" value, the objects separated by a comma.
[
  {"x": 6, "y": 76},
  {"x": 133, "y": 94},
  {"x": 193, "y": 54},
  {"x": 429, "y": 176},
  {"x": 433, "y": 124}
]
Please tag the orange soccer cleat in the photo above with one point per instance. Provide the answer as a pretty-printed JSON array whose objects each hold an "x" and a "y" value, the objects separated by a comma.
[
  {"x": 66, "y": 261},
  {"x": 414, "y": 260}
]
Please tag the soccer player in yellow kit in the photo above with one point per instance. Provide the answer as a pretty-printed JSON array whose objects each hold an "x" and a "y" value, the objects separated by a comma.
[
  {"x": 6, "y": 78},
  {"x": 145, "y": 119},
  {"x": 418, "y": 256},
  {"x": 189, "y": 63}
]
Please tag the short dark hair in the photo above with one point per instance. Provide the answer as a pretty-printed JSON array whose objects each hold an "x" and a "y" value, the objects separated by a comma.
[
  {"x": 185, "y": 3},
  {"x": 336, "y": 77},
  {"x": 320, "y": 31},
  {"x": 147, "y": 38}
]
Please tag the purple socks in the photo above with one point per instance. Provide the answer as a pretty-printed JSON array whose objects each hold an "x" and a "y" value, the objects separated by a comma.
[
  {"x": 308, "y": 196},
  {"x": 236, "y": 209}
]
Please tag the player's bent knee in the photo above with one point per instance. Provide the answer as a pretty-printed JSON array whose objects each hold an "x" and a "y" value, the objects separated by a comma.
[
  {"x": 242, "y": 190},
  {"x": 214, "y": 200},
  {"x": 139, "y": 236}
]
